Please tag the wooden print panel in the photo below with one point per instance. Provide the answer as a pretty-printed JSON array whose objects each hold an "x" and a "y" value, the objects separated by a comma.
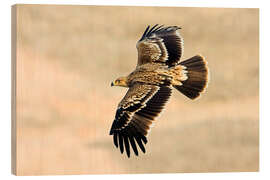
[{"x": 64, "y": 59}]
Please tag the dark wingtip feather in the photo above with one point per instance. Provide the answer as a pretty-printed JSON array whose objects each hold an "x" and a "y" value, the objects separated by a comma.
[
  {"x": 157, "y": 29},
  {"x": 144, "y": 139},
  {"x": 133, "y": 145},
  {"x": 146, "y": 30},
  {"x": 111, "y": 132},
  {"x": 127, "y": 146},
  {"x": 151, "y": 30},
  {"x": 140, "y": 144},
  {"x": 115, "y": 140},
  {"x": 121, "y": 143}
]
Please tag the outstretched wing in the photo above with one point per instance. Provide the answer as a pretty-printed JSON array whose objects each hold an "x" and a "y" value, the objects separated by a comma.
[
  {"x": 160, "y": 45},
  {"x": 135, "y": 114}
]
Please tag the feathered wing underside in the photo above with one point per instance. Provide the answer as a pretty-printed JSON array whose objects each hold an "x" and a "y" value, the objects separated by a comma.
[
  {"x": 160, "y": 45},
  {"x": 135, "y": 114}
]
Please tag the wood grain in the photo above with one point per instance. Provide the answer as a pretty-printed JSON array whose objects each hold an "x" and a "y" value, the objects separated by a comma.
[{"x": 65, "y": 57}]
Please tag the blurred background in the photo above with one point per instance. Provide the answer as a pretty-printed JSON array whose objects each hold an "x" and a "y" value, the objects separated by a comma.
[{"x": 67, "y": 57}]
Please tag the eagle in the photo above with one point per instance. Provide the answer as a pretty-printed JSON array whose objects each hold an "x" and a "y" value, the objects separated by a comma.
[{"x": 158, "y": 71}]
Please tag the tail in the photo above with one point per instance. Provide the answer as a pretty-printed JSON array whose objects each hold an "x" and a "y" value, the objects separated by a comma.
[{"x": 197, "y": 77}]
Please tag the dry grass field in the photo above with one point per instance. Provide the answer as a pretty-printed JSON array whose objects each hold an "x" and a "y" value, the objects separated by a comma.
[{"x": 67, "y": 57}]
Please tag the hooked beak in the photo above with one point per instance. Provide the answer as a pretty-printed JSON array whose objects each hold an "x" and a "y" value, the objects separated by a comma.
[{"x": 112, "y": 84}]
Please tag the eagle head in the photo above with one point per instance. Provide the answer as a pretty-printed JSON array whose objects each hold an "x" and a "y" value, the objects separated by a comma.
[{"x": 121, "y": 81}]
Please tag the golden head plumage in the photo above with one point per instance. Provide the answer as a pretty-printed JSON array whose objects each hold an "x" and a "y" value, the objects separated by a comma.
[{"x": 121, "y": 81}]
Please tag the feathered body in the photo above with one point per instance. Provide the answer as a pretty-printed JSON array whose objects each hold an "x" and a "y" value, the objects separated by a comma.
[
  {"x": 158, "y": 71},
  {"x": 154, "y": 74}
]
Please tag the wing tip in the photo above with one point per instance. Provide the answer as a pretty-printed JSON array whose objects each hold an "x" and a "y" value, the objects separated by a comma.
[
  {"x": 158, "y": 28},
  {"x": 126, "y": 142}
]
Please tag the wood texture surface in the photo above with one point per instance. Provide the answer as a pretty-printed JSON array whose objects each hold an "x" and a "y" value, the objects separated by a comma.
[
  {"x": 13, "y": 89},
  {"x": 64, "y": 59}
]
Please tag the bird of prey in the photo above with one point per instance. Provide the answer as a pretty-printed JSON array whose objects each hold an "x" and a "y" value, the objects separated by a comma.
[{"x": 150, "y": 85}]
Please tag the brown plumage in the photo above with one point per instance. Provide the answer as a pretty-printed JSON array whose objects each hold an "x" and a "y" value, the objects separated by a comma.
[{"x": 150, "y": 85}]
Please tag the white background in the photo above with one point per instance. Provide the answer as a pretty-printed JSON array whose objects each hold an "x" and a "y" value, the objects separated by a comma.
[{"x": 5, "y": 79}]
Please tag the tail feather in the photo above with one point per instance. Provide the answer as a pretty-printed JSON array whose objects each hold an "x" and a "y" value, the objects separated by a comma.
[{"x": 197, "y": 73}]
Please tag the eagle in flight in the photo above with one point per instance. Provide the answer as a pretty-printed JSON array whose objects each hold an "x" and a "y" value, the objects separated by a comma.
[{"x": 150, "y": 85}]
